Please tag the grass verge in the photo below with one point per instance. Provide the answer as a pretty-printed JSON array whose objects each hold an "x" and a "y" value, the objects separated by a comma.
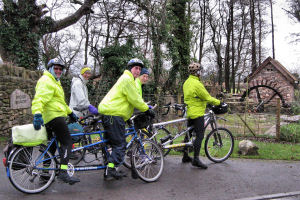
[{"x": 267, "y": 151}]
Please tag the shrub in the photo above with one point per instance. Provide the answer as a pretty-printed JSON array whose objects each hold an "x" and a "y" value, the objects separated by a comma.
[
  {"x": 290, "y": 132},
  {"x": 295, "y": 108}
]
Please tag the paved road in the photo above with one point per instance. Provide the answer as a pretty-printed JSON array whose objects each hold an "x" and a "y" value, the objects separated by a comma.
[{"x": 233, "y": 179}]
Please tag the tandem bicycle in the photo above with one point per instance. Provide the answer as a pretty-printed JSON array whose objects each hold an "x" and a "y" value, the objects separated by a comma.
[
  {"x": 219, "y": 142},
  {"x": 33, "y": 169}
]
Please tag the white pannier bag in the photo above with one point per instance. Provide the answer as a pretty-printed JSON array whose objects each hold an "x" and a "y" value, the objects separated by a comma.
[{"x": 26, "y": 135}]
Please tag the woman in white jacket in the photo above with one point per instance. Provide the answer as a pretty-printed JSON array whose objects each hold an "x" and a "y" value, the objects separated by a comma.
[{"x": 79, "y": 93}]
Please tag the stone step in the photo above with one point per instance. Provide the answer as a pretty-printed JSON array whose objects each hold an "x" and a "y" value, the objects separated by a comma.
[{"x": 290, "y": 119}]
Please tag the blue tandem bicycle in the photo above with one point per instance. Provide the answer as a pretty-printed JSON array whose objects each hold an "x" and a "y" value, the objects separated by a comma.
[{"x": 33, "y": 169}]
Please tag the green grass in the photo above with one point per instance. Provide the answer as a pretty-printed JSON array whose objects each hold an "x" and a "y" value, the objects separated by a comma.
[
  {"x": 272, "y": 151},
  {"x": 267, "y": 151}
]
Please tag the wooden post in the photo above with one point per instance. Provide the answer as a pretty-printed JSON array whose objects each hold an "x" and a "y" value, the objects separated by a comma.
[
  {"x": 179, "y": 102},
  {"x": 278, "y": 119}
]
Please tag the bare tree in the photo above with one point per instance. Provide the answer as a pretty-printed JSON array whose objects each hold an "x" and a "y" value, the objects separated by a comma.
[
  {"x": 253, "y": 35},
  {"x": 216, "y": 37},
  {"x": 273, "y": 43},
  {"x": 38, "y": 25},
  {"x": 294, "y": 9}
]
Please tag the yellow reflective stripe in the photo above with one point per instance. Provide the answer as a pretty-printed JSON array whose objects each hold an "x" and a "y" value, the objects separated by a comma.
[{"x": 63, "y": 166}]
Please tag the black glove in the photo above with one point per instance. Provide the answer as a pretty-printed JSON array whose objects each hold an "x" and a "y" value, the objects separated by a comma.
[
  {"x": 150, "y": 113},
  {"x": 73, "y": 118}
]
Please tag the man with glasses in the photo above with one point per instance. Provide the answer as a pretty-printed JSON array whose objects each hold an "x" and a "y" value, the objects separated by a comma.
[{"x": 49, "y": 107}]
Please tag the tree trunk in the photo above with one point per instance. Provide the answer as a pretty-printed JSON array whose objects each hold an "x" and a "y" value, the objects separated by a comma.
[
  {"x": 87, "y": 36},
  {"x": 253, "y": 43},
  {"x": 260, "y": 33},
  {"x": 232, "y": 48},
  {"x": 273, "y": 43},
  {"x": 203, "y": 9}
]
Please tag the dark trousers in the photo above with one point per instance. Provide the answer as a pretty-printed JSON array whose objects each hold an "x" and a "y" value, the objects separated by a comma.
[
  {"x": 59, "y": 127},
  {"x": 115, "y": 134},
  {"x": 198, "y": 124}
]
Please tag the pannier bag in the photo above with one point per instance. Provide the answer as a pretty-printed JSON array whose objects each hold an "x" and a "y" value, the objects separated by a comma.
[
  {"x": 26, "y": 135},
  {"x": 75, "y": 128}
]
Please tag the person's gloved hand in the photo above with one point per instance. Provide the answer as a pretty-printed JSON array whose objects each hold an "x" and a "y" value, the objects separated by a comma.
[
  {"x": 150, "y": 107},
  {"x": 38, "y": 121},
  {"x": 93, "y": 110},
  {"x": 223, "y": 104},
  {"x": 73, "y": 117},
  {"x": 150, "y": 112}
]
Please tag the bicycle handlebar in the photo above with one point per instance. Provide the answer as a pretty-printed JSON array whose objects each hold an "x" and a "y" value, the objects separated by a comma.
[
  {"x": 176, "y": 106},
  {"x": 80, "y": 108},
  {"x": 139, "y": 113}
]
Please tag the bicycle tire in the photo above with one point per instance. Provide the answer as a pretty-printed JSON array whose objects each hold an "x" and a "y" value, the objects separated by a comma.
[
  {"x": 23, "y": 173},
  {"x": 219, "y": 145},
  {"x": 147, "y": 160},
  {"x": 127, "y": 158}
]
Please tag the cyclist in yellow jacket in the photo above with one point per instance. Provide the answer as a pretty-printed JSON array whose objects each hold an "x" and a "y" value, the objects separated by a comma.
[
  {"x": 117, "y": 107},
  {"x": 49, "y": 107},
  {"x": 196, "y": 97}
]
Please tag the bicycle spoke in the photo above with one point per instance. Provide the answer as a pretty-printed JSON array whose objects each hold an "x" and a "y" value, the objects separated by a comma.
[
  {"x": 145, "y": 161},
  {"x": 24, "y": 173},
  {"x": 219, "y": 145}
]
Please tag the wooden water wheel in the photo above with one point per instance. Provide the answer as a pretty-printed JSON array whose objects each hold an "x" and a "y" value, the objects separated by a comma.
[{"x": 263, "y": 92}]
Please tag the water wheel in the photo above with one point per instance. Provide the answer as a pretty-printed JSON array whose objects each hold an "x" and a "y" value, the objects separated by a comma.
[{"x": 264, "y": 92}]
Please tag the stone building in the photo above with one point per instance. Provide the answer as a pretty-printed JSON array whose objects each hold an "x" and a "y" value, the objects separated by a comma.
[{"x": 273, "y": 81}]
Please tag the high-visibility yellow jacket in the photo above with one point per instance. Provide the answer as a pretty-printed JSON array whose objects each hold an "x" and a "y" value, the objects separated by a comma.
[
  {"x": 49, "y": 98},
  {"x": 122, "y": 98},
  {"x": 196, "y": 97},
  {"x": 138, "y": 85}
]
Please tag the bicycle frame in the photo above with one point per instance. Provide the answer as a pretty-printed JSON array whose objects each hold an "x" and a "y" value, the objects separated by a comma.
[
  {"x": 129, "y": 131},
  {"x": 209, "y": 119}
]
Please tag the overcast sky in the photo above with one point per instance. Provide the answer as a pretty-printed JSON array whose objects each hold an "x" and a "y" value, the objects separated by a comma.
[{"x": 287, "y": 52}]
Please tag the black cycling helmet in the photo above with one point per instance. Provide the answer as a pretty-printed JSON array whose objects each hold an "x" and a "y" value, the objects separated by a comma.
[
  {"x": 220, "y": 109},
  {"x": 56, "y": 61},
  {"x": 135, "y": 62}
]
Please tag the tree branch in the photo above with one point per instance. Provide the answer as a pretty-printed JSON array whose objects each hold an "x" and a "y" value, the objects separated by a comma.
[{"x": 72, "y": 19}]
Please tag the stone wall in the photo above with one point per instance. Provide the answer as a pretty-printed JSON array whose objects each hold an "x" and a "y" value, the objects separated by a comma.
[
  {"x": 16, "y": 92},
  {"x": 268, "y": 74}
]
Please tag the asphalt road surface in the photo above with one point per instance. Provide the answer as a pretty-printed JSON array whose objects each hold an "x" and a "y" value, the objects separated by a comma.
[{"x": 233, "y": 179}]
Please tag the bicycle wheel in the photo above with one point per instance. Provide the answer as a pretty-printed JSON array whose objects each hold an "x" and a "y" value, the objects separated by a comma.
[
  {"x": 78, "y": 155},
  {"x": 93, "y": 154},
  {"x": 127, "y": 159},
  {"x": 147, "y": 160},
  {"x": 25, "y": 175},
  {"x": 219, "y": 145}
]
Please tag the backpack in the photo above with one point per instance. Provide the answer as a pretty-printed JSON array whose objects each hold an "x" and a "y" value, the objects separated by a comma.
[{"x": 75, "y": 128}]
